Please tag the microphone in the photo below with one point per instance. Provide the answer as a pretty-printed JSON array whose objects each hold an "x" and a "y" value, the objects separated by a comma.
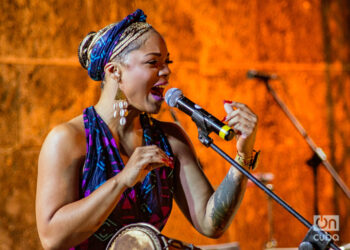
[
  {"x": 175, "y": 98},
  {"x": 259, "y": 75}
]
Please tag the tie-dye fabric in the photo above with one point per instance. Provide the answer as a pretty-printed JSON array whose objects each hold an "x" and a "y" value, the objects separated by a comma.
[{"x": 149, "y": 201}]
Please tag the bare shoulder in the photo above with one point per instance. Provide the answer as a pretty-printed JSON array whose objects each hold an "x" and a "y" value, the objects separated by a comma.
[
  {"x": 73, "y": 128},
  {"x": 177, "y": 137},
  {"x": 66, "y": 139},
  {"x": 61, "y": 158},
  {"x": 173, "y": 131}
]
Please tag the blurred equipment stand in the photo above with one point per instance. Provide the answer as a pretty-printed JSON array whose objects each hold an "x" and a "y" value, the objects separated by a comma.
[
  {"x": 272, "y": 242},
  {"x": 267, "y": 178},
  {"x": 318, "y": 155}
]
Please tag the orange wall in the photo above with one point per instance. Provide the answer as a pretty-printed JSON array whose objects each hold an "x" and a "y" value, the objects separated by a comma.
[{"x": 213, "y": 44}]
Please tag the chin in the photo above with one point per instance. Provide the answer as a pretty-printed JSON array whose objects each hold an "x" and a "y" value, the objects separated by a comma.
[
  {"x": 152, "y": 106},
  {"x": 156, "y": 109},
  {"x": 150, "y": 109}
]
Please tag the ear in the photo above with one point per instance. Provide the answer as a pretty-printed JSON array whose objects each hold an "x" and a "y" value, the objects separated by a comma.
[{"x": 112, "y": 70}]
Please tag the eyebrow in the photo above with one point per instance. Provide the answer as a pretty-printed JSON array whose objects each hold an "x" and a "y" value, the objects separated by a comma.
[{"x": 155, "y": 54}]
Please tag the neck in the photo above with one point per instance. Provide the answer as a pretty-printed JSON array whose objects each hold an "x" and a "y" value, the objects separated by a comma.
[{"x": 104, "y": 108}]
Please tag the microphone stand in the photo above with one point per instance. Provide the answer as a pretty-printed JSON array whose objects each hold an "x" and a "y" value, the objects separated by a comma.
[
  {"x": 318, "y": 155},
  {"x": 315, "y": 238}
]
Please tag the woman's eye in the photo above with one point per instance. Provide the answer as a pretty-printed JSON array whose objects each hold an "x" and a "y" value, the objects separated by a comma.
[
  {"x": 153, "y": 62},
  {"x": 156, "y": 62}
]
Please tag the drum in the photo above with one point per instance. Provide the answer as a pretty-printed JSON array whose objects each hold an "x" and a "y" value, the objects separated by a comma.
[{"x": 143, "y": 236}]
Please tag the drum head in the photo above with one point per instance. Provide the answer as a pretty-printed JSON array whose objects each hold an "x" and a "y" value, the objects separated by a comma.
[
  {"x": 136, "y": 237},
  {"x": 143, "y": 236}
]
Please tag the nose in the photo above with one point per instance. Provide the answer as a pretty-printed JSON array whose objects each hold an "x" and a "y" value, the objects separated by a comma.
[{"x": 164, "y": 70}]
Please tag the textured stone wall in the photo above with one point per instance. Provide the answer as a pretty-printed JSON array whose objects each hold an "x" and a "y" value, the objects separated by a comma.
[{"x": 213, "y": 44}]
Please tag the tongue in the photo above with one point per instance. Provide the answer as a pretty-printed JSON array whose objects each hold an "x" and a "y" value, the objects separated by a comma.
[{"x": 157, "y": 91}]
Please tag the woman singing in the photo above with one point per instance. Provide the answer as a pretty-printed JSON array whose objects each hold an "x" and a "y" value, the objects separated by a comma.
[{"x": 115, "y": 165}]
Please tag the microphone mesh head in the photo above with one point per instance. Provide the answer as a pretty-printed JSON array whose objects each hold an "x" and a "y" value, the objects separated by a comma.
[{"x": 172, "y": 95}]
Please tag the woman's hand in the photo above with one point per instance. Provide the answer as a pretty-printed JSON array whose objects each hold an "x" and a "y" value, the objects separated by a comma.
[
  {"x": 142, "y": 161},
  {"x": 244, "y": 123}
]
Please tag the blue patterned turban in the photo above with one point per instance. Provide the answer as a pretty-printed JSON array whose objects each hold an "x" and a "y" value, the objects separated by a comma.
[{"x": 111, "y": 40}]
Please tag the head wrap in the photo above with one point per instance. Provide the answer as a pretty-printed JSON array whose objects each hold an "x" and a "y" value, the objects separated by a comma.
[{"x": 111, "y": 40}]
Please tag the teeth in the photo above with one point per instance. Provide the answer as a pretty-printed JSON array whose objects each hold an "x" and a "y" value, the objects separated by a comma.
[{"x": 160, "y": 86}]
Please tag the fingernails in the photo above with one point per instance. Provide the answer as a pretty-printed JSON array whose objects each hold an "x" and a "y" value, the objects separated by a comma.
[
  {"x": 169, "y": 161},
  {"x": 224, "y": 119},
  {"x": 171, "y": 164},
  {"x": 226, "y": 101}
]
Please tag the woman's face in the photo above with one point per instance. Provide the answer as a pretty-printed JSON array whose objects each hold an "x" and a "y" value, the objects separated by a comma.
[{"x": 145, "y": 74}]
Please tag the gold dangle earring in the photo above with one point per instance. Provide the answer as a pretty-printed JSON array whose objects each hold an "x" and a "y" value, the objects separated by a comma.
[{"x": 122, "y": 103}]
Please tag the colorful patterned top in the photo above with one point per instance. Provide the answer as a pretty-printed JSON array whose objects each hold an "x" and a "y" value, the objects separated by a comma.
[{"x": 149, "y": 201}]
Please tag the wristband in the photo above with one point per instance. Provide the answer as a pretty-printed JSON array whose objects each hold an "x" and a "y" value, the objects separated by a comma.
[{"x": 250, "y": 162}]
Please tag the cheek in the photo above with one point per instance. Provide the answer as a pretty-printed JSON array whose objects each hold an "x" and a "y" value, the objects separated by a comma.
[
  {"x": 138, "y": 81},
  {"x": 141, "y": 78},
  {"x": 143, "y": 75}
]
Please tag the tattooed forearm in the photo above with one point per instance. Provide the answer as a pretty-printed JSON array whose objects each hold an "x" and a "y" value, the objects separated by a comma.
[{"x": 226, "y": 199}]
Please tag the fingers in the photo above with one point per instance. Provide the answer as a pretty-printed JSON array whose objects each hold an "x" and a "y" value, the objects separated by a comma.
[
  {"x": 240, "y": 118},
  {"x": 228, "y": 107},
  {"x": 243, "y": 130},
  {"x": 143, "y": 160},
  {"x": 153, "y": 157},
  {"x": 238, "y": 113},
  {"x": 232, "y": 106},
  {"x": 152, "y": 166}
]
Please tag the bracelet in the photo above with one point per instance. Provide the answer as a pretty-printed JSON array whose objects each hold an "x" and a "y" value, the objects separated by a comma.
[{"x": 251, "y": 162}]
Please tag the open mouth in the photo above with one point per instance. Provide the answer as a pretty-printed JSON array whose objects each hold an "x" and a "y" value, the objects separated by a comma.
[{"x": 157, "y": 92}]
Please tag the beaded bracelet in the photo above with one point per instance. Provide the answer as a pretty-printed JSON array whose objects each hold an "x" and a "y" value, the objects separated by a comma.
[{"x": 251, "y": 162}]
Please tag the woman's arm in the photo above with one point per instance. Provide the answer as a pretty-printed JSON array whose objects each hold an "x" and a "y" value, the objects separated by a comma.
[
  {"x": 63, "y": 219},
  {"x": 212, "y": 212}
]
